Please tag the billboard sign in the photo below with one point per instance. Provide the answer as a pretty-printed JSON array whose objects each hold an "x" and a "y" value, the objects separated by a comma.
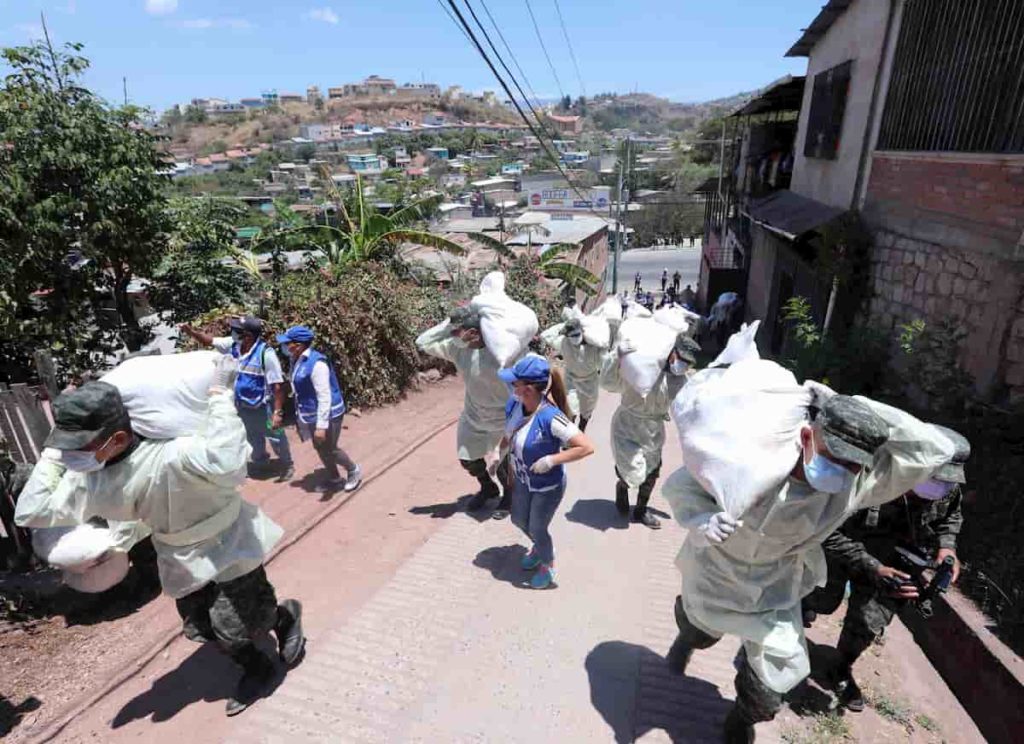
[{"x": 562, "y": 198}]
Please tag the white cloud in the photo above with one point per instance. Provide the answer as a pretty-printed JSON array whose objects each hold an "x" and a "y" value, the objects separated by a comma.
[
  {"x": 325, "y": 15},
  {"x": 161, "y": 7},
  {"x": 202, "y": 24}
]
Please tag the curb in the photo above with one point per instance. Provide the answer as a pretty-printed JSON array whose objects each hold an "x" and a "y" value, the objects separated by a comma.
[{"x": 145, "y": 657}]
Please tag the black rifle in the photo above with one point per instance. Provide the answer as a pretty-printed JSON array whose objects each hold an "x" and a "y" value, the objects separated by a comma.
[{"x": 915, "y": 564}]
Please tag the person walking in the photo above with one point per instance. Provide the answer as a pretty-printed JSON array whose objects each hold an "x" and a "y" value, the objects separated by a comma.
[
  {"x": 676, "y": 279},
  {"x": 541, "y": 440},
  {"x": 482, "y": 423},
  {"x": 319, "y": 408},
  {"x": 211, "y": 543},
  {"x": 259, "y": 391},
  {"x": 582, "y": 369},
  {"x": 637, "y": 281},
  {"x": 638, "y": 427},
  {"x": 865, "y": 552},
  {"x": 664, "y": 279}
]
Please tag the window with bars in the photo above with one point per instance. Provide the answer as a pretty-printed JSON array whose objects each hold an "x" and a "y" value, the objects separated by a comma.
[
  {"x": 957, "y": 80},
  {"x": 828, "y": 104}
]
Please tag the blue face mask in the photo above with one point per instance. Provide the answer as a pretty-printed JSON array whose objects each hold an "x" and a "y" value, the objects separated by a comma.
[
  {"x": 933, "y": 490},
  {"x": 826, "y": 476},
  {"x": 81, "y": 462}
]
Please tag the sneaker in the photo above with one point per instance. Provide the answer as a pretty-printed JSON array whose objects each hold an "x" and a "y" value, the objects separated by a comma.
[
  {"x": 354, "y": 480},
  {"x": 503, "y": 508},
  {"x": 646, "y": 519},
  {"x": 290, "y": 639},
  {"x": 287, "y": 474},
  {"x": 544, "y": 578},
  {"x": 530, "y": 561}
]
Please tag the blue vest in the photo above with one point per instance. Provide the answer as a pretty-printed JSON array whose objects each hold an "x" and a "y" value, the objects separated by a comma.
[
  {"x": 251, "y": 384},
  {"x": 539, "y": 442},
  {"x": 305, "y": 393}
]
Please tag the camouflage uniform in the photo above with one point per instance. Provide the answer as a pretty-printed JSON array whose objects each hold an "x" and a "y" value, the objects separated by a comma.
[
  {"x": 868, "y": 540},
  {"x": 12, "y": 479}
]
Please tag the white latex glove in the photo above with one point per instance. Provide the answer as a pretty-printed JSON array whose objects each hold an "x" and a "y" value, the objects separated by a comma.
[
  {"x": 224, "y": 373},
  {"x": 543, "y": 465},
  {"x": 719, "y": 527}
]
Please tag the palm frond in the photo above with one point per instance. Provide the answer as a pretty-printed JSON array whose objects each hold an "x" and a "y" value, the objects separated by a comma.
[
  {"x": 418, "y": 210},
  {"x": 557, "y": 251},
  {"x": 422, "y": 237},
  {"x": 492, "y": 244},
  {"x": 572, "y": 275}
]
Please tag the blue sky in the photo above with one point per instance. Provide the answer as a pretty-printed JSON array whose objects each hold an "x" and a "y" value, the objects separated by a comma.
[{"x": 174, "y": 50}]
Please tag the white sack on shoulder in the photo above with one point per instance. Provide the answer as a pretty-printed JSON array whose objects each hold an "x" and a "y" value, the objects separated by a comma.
[
  {"x": 166, "y": 396},
  {"x": 679, "y": 319},
  {"x": 739, "y": 428},
  {"x": 645, "y": 345},
  {"x": 506, "y": 325},
  {"x": 596, "y": 331},
  {"x": 741, "y": 346}
]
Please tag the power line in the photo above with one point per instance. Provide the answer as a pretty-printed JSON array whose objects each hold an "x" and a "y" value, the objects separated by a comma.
[
  {"x": 540, "y": 38},
  {"x": 457, "y": 24},
  {"x": 515, "y": 103},
  {"x": 511, "y": 54},
  {"x": 565, "y": 33}
]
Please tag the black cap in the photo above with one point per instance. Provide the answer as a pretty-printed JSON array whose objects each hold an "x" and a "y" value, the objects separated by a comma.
[
  {"x": 86, "y": 413},
  {"x": 851, "y": 430},
  {"x": 686, "y": 348},
  {"x": 247, "y": 323},
  {"x": 953, "y": 471}
]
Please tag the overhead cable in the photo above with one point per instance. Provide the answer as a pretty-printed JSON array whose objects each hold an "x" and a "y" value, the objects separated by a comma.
[{"x": 565, "y": 33}]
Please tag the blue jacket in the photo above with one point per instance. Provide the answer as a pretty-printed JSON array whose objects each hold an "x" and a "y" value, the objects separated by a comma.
[
  {"x": 539, "y": 442},
  {"x": 251, "y": 384},
  {"x": 305, "y": 393}
]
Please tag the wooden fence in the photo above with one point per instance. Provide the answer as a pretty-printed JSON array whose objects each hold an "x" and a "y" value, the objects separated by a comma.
[{"x": 24, "y": 421}]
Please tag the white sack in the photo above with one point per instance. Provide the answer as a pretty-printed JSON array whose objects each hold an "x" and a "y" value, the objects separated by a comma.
[
  {"x": 678, "y": 318},
  {"x": 506, "y": 325},
  {"x": 104, "y": 573},
  {"x": 739, "y": 428},
  {"x": 596, "y": 331},
  {"x": 610, "y": 310},
  {"x": 636, "y": 310},
  {"x": 78, "y": 546},
  {"x": 645, "y": 345},
  {"x": 741, "y": 346},
  {"x": 165, "y": 395}
]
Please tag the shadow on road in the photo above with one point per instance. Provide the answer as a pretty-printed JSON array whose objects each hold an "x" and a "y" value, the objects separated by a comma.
[
  {"x": 447, "y": 509},
  {"x": 811, "y": 697},
  {"x": 11, "y": 715},
  {"x": 205, "y": 675},
  {"x": 685, "y": 708},
  {"x": 503, "y": 563},
  {"x": 598, "y": 514}
]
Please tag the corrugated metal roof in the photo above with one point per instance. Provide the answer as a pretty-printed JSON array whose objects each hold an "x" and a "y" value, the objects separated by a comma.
[
  {"x": 791, "y": 215},
  {"x": 819, "y": 27},
  {"x": 785, "y": 94}
]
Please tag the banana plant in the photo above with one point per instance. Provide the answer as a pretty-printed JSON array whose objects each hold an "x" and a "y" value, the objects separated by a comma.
[{"x": 551, "y": 263}]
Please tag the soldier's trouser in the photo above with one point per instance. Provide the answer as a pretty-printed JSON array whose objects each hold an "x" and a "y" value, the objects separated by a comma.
[
  {"x": 867, "y": 616},
  {"x": 643, "y": 494},
  {"x": 755, "y": 701},
  {"x": 233, "y": 614},
  {"x": 478, "y": 469}
]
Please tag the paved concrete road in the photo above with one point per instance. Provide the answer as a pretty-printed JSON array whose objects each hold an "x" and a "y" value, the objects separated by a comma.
[{"x": 651, "y": 261}]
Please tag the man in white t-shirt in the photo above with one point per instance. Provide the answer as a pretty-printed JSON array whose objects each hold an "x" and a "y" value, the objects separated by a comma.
[{"x": 259, "y": 391}]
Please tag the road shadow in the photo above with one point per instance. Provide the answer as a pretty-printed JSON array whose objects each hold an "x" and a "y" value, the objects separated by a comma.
[
  {"x": 11, "y": 715},
  {"x": 448, "y": 509},
  {"x": 632, "y": 689},
  {"x": 812, "y": 697},
  {"x": 206, "y": 675},
  {"x": 504, "y": 564},
  {"x": 598, "y": 514}
]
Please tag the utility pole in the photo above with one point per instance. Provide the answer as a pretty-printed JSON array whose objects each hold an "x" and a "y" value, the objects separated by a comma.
[
  {"x": 620, "y": 232},
  {"x": 721, "y": 161},
  {"x": 124, "y": 87}
]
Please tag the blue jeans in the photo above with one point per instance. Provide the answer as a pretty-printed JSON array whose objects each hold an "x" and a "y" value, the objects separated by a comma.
[
  {"x": 532, "y": 512},
  {"x": 255, "y": 421}
]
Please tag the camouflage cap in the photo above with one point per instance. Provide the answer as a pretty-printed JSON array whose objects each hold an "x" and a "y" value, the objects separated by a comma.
[
  {"x": 851, "y": 430},
  {"x": 686, "y": 348},
  {"x": 953, "y": 471},
  {"x": 571, "y": 326},
  {"x": 86, "y": 413},
  {"x": 464, "y": 316}
]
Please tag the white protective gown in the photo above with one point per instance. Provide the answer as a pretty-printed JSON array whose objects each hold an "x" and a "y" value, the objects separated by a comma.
[
  {"x": 638, "y": 425},
  {"x": 582, "y": 366},
  {"x": 482, "y": 423},
  {"x": 752, "y": 584},
  {"x": 185, "y": 490}
]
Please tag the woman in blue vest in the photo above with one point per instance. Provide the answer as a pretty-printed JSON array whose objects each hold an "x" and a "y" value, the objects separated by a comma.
[
  {"x": 540, "y": 439},
  {"x": 319, "y": 408}
]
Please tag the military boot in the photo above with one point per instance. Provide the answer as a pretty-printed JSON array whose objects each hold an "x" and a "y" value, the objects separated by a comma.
[
  {"x": 737, "y": 729},
  {"x": 622, "y": 498},
  {"x": 847, "y": 691},
  {"x": 257, "y": 674},
  {"x": 290, "y": 639}
]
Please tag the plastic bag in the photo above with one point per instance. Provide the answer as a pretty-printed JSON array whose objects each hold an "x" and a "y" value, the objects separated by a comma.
[
  {"x": 506, "y": 325},
  {"x": 645, "y": 345},
  {"x": 166, "y": 396},
  {"x": 741, "y": 346},
  {"x": 679, "y": 319},
  {"x": 739, "y": 427},
  {"x": 74, "y": 546},
  {"x": 102, "y": 574}
]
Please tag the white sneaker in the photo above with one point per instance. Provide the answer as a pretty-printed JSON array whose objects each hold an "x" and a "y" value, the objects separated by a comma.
[{"x": 354, "y": 479}]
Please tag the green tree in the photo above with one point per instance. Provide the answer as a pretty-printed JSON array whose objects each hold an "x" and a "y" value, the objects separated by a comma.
[
  {"x": 194, "y": 114},
  {"x": 82, "y": 209}
]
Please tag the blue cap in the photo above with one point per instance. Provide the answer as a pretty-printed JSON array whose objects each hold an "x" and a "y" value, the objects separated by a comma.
[
  {"x": 532, "y": 368},
  {"x": 295, "y": 334}
]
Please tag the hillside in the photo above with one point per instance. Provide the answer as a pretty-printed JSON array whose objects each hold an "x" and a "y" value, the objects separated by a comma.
[{"x": 643, "y": 112}]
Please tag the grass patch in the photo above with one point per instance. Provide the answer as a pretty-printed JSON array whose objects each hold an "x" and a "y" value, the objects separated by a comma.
[
  {"x": 891, "y": 708},
  {"x": 927, "y": 723},
  {"x": 824, "y": 728}
]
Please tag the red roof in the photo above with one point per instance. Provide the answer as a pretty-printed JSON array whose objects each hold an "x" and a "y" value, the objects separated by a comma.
[
  {"x": 233, "y": 154},
  {"x": 218, "y": 157},
  {"x": 203, "y": 161},
  {"x": 564, "y": 119}
]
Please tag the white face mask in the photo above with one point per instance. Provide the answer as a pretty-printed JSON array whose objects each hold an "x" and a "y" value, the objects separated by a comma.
[
  {"x": 678, "y": 367},
  {"x": 236, "y": 337},
  {"x": 81, "y": 462}
]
